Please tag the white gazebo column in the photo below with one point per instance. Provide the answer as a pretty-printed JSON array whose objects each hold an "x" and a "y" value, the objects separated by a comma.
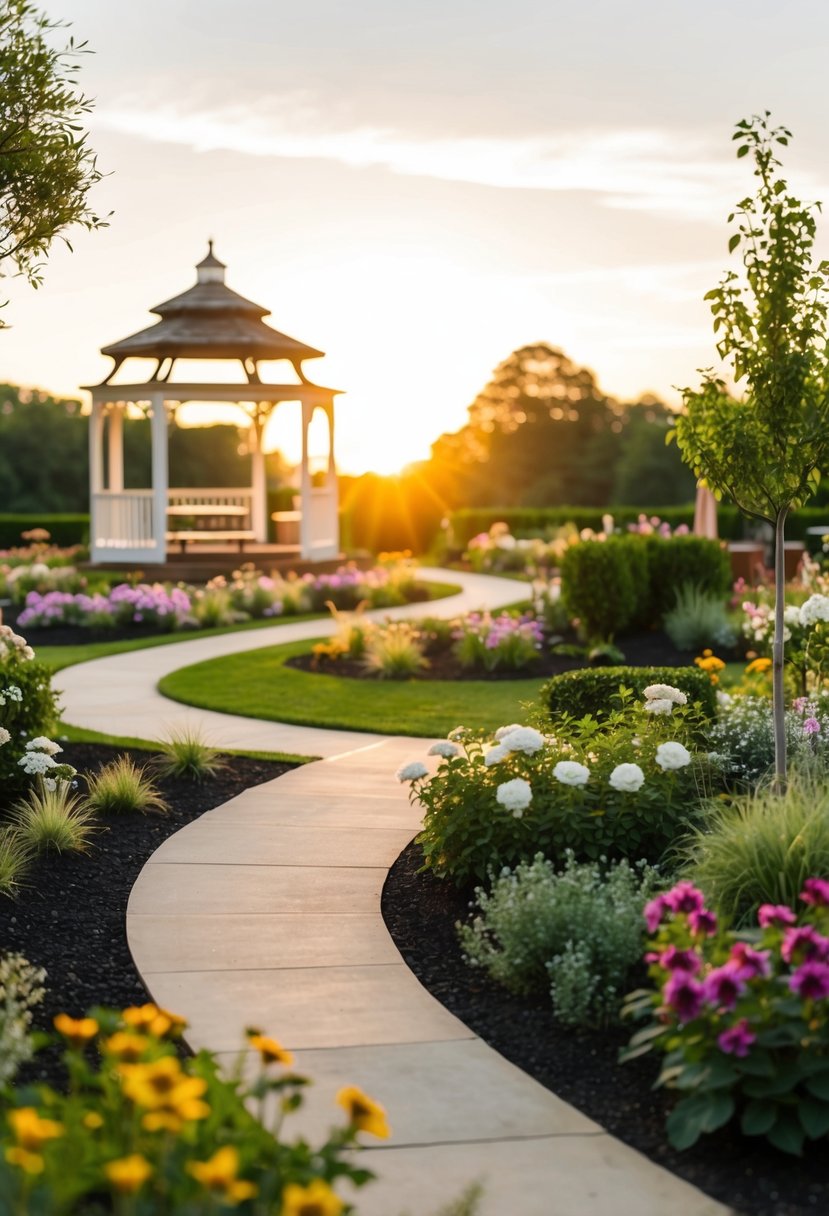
[
  {"x": 306, "y": 505},
  {"x": 259, "y": 482},
  {"x": 160, "y": 476},
  {"x": 115, "y": 447},
  {"x": 96, "y": 473},
  {"x": 331, "y": 485}
]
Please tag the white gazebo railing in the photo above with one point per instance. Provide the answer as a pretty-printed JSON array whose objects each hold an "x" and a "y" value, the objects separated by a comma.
[
  {"x": 121, "y": 525},
  {"x": 235, "y": 497}
]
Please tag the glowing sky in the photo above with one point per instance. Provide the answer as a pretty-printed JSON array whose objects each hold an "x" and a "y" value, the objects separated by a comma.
[{"x": 417, "y": 189}]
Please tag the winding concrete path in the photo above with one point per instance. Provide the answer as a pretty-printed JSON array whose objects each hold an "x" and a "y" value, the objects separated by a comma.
[{"x": 266, "y": 911}]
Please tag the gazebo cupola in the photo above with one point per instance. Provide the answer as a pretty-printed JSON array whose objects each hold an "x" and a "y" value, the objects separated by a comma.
[{"x": 212, "y": 322}]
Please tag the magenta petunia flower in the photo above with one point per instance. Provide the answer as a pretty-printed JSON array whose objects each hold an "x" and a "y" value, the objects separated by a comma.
[
  {"x": 748, "y": 962},
  {"x": 685, "y": 897},
  {"x": 775, "y": 914},
  {"x": 684, "y": 995},
  {"x": 701, "y": 921},
  {"x": 673, "y": 959},
  {"x": 723, "y": 987},
  {"x": 737, "y": 1039},
  {"x": 804, "y": 941},
  {"x": 811, "y": 981},
  {"x": 653, "y": 913},
  {"x": 816, "y": 891}
]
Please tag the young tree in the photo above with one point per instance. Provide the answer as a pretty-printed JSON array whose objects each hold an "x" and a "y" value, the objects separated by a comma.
[
  {"x": 46, "y": 165},
  {"x": 766, "y": 449}
]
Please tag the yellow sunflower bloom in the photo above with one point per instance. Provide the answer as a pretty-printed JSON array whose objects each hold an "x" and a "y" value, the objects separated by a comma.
[
  {"x": 316, "y": 1199},
  {"x": 30, "y": 1131},
  {"x": 363, "y": 1113},
  {"x": 271, "y": 1051},
  {"x": 219, "y": 1175},
  {"x": 30, "y": 1163},
  {"x": 126, "y": 1046},
  {"x": 128, "y": 1174},
  {"x": 76, "y": 1031}
]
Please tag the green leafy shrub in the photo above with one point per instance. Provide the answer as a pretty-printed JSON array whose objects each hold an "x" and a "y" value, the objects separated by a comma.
[
  {"x": 535, "y": 521},
  {"x": 599, "y": 587},
  {"x": 596, "y": 691},
  {"x": 576, "y": 932},
  {"x": 761, "y": 847},
  {"x": 122, "y": 788},
  {"x": 28, "y": 707},
  {"x": 680, "y": 560},
  {"x": 742, "y": 1023},
  {"x": 699, "y": 619},
  {"x": 53, "y": 818},
  {"x": 743, "y": 736},
  {"x": 142, "y": 1131},
  {"x": 20, "y": 991},
  {"x": 186, "y": 754},
  {"x": 621, "y": 788},
  {"x": 63, "y": 529}
]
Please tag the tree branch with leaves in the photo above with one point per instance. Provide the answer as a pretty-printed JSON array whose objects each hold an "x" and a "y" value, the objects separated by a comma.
[{"x": 766, "y": 449}]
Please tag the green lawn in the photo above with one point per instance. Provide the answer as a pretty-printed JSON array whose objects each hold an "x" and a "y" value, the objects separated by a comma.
[
  {"x": 259, "y": 685},
  {"x": 78, "y": 734}
]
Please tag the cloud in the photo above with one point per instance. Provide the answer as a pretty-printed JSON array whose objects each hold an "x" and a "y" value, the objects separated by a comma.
[{"x": 645, "y": 170}]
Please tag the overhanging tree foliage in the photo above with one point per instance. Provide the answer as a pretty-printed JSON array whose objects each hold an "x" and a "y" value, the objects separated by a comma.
[
  {"x": 766, "y": 449},
  {"x": 46, "y": 165}
]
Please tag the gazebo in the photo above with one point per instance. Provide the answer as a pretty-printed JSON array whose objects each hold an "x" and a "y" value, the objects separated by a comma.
[{"x": 207, "y": 322}]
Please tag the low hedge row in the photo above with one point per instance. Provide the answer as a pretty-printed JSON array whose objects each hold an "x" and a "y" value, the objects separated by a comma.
[
  {"x": 63, "y": 529},
  {"x": 629, "y": 582},
  {"x": 590, "y": 690}
]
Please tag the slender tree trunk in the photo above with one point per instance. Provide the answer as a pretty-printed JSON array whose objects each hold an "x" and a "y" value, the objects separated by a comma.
[{"x": 778, "y": 702}]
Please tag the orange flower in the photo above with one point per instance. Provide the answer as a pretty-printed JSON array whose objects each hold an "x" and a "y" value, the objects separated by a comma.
[
  {"x": 76, "y": 1031},
  {"x": 363, "y": 1113},
  {"x": 758, "y": 666},
  {"x": 30, "y": 1131},
  {"x": 153, "y": 1020}
]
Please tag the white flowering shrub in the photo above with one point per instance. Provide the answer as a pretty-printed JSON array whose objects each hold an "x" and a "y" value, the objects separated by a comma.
[
  {"x": 28, "y": 709},
  {"x": 576, "y": 932},
  {"x": 626, "y": 786},
  {"x": 21, "y": 988}
]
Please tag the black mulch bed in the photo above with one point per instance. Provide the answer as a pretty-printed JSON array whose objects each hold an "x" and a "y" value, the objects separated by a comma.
[
  {"x": 581, "y": 1067},
  {"x": 69, "y": 918},
  {"x": 646, "y": 649}
]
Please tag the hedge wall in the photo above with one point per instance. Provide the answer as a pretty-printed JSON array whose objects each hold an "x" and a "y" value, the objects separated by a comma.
[
  {"x": 590, "y": 690},
  {"x": 63, "y": 529}
]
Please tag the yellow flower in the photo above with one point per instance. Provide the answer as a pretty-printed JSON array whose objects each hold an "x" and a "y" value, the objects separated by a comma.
[
  {"x": 30, "y": 1131},
  {"x": 92, "y": 1120},
  {"x": 30, "y": 1163},
  {"x": 709, "y": 662},
  {"x": 76, "y": 1031},
  {"x": 270, "y": 1050},
  {"x": 363, "y": 1113},
  {"x": 126, "y": 1046},
  {"x": 163, "y": 1089},
  {"x": 219, "y": 1174},
  {"x": 153, "y": 1020},
  {"x": 316, "y": 1199},
  {"x": 758, "y": 665},
  {"x": 128, "y": 1174}
]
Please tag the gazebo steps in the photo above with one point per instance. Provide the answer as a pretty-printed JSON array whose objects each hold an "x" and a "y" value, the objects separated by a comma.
[{"x": 207, "y": 563}]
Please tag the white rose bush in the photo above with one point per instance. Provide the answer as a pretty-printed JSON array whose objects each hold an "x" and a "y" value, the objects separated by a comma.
[
  {"x": 624, "y": 787},
  {"x": 28, "y": 711}
]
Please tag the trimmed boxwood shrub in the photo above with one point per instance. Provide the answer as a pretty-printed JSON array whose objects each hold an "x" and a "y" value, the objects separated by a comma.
[
  {"x": 63, "y": 529},
  {"x": 683, "y": 559},
  {"x": 590, "y": 690},
  {"x": 601, "y": 585}
]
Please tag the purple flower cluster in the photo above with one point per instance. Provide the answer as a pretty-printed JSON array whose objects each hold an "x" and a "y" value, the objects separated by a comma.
[
  {"x": 657, "y": 526},
  {"x": 143, "y": 604},
  {"x": 496, "y": 631}
]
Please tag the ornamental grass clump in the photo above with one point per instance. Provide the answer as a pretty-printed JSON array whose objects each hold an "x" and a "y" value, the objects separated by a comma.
[
  {"x": 699, "y": 618},
  {"x": 395, "y": 651},
  {"x": 15, "y": 857},
  {"x": 760, "y": 847},
  {"x": 575, "y": 932},
  {"x": 624, "y": 787},
  {"x": 54, "y": 818},
  {"x": 742, "y": 1021},
  {"x": 141, "y": 1130},
  {"x": 186, "y": 754},
  {"x": 121, "y": 788}
]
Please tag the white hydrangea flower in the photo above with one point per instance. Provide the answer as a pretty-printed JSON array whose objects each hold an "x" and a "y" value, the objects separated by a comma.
[
  {"x": 627, "y": 777},
  {"x": 791, "y": 615},
  {"x": 495, "y": 755},
  {"x": 42, "y": 744},
  {"x": 506, "y": 730},
  {"x": 723, "y": 698},
  {"x": 412, "y": 771},
  {"x": 665, "y": 692},
  {"x": 515, "y": 796},
  {"x": 445, "y": 749},
  {"x": 815, "y": 609},
  {"x": 12, "y": 693},
  {"x": 525, "y": 739},
  {"x": 4, "y": 736},
  {"x": 36, "y": 763},
  {"x": 570, "y": 772},
  {"x": 672, "y": 756},
  {"x": 659, "y": 706}
]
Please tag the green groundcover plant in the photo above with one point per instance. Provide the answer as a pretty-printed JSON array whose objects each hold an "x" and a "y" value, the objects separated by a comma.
[
  {"x": 575, "y": 932},
  {"x": 741, "y": 1020},
  {"x": 623, "y": 787}
]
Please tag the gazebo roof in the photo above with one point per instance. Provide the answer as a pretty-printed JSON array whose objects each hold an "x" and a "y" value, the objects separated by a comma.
[{"x": 210, "y": 321}]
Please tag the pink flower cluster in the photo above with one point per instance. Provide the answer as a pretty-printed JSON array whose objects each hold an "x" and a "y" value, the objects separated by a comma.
[
  {"x": 657, "y": 526},
  {"x": 692, "y": 987},
  {"x": 496, "y": 631}
]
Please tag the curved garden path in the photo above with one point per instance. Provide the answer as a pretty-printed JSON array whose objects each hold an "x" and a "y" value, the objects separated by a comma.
[{"x": 266, "y": 911}]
